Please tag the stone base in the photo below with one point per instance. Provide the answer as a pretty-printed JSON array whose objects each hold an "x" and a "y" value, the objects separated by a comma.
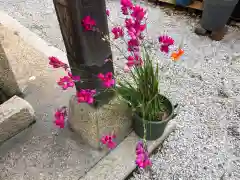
[
  {"x": 16, "y": 114},
  {"x": 92, "y": 123}
]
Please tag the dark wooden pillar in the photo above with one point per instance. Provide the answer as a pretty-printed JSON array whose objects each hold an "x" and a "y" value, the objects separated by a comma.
[{"x": 86, "y": 50}]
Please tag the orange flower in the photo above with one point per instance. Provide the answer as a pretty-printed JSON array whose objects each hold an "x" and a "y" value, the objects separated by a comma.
[{"x": 177, "y": 54}]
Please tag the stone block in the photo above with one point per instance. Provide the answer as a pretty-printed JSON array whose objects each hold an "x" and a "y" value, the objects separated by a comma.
[
  {"x": 8, "y": 83},
  {"x": 16, "y": 114},
  {"x": 92, "y": 123}
]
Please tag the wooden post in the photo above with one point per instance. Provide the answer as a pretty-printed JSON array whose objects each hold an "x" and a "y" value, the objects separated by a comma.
[{"x": 86, "y": 50}]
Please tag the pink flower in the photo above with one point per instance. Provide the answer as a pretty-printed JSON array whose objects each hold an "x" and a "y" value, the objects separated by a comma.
[
  {"x": 68, "y": 81},
  {"x": 130, "y": 62},
  {"x": 134, "y": 29},
  {"x": 118, "y": 32},
  {"x": 108, "y": 140},
  {"x": 164, "y": 48},
  {"x": 107, "y": 12},
  {"x": 124, "y": 10},
  {"x": 88, "y": 23},
  {"x": 142, "y": 158},
  {"x": 56, "y": 63},
  {"x": 135, "y": 60},
  {"x": 138, "y": 13},
  {"x": 86, "y": 95},
  {"x": 165, "y": 41},
  {"x": 60, "y": 116},
  {"x": 107, "y": 79},
  {"x": 140, "y": 148},
  {"x": 139, "y": 27},
  {"x": 74, "y": 78},
  {"x": 129, "y": 23},
  {"x": 126, "y": 5},
  {"x": 133, "y": 45}
]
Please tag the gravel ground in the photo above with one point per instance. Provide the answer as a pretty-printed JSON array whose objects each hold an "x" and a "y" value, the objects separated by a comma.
[{"x": 205, "y": 82}]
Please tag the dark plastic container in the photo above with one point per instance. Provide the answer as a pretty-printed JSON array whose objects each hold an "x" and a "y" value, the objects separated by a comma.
[
  {"x": 154, "y": 129},
  {"x": 184, "y": 2},
  {"x": 216, "y": 13}
]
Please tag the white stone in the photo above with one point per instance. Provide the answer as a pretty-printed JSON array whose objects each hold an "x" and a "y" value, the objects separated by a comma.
[{"x": 16, "y": 114}]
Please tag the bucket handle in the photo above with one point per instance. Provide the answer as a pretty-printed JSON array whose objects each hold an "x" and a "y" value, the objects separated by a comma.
[{"x": 176, "y": 110}]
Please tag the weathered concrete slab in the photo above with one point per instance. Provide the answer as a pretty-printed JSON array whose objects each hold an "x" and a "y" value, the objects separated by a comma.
[
  {"x": 118, "y": 164},
  {"x": 93, "y": 123},
  {"x": 16, "y": 114},
  {"x": 8, "y": 82}
]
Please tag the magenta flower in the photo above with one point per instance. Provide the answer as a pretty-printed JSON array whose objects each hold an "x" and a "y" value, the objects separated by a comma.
[
  {"x": 133, "y": 45},
  {"x": 126, "y": 5},
  {"x": 165, "y": 41},
  {"x": 107, "y": 12},
  {"x": 88, "y": 23},
  {"x": 108, "y": 141},
  {"x": 68, "y": 81},
  {"x": 130, "y": 61},
  {"x": 139, "y": 28},
  {"x": 107, "y": 79},
  {"x": 129, "y": 23},
  {"x": 138, "y": 13},
  {"x": 118, "y": 32},
  {"x": 124, "y": 10},
  {"x": 56, "y": 63},
  {"x": 142, "y": 158},
  {"x": 74, "y": 78},
  {"x": 134, "y": 61},
  {"x": 60, "y": 116},
  {"x": 86, "y": 95}
]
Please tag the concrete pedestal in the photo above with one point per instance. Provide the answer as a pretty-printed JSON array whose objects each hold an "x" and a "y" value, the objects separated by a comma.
[{"x": 92, "y": 123}]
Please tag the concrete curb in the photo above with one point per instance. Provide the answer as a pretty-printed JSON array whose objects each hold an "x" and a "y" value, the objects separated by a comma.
[
  {"x": 118, "y": 164},
  {"x": 31, "y": 38}
]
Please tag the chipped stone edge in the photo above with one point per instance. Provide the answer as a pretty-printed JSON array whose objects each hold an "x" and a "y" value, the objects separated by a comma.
[
  {"x": 118, "y": 165},
  {"x": 31, "y": 38}
]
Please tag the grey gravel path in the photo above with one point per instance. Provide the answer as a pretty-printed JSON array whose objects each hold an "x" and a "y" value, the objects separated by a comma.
[{"x": 205, "y": 82}]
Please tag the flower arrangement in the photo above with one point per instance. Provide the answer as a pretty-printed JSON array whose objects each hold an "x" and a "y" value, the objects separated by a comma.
[{"x": 142, "y": 92}]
